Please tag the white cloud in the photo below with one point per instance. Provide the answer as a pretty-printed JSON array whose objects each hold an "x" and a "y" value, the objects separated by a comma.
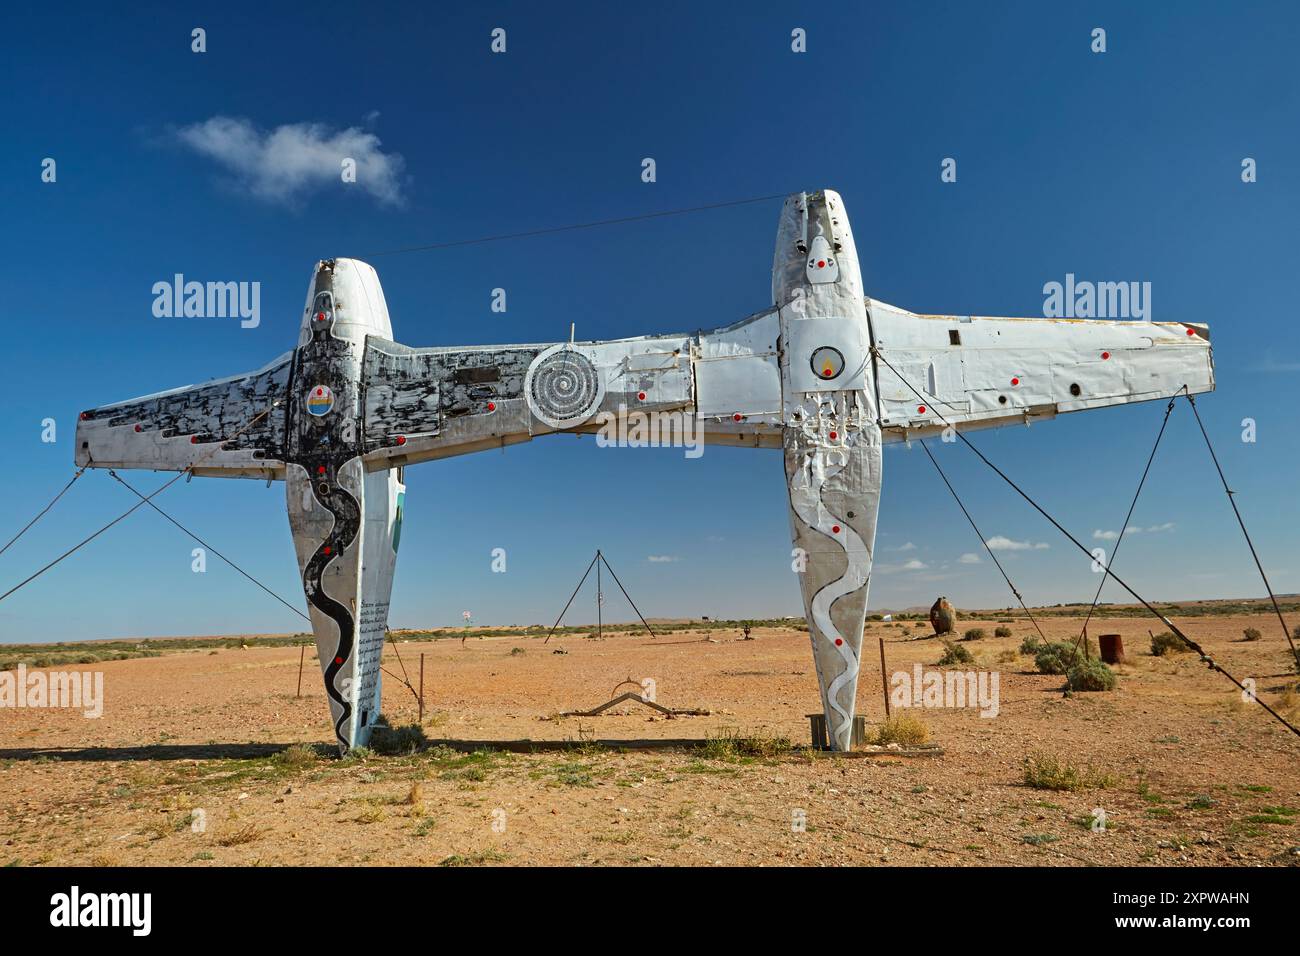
[
  {"x": 1002, "y": 543},
  {"x": 281, "y": 164},
  {"x": 912, "y": 565},
  {"x": 661, "y": 558},
  {"x": 908, "y": 547},
  {"x": 1100, "y": 535},
  {"x": 1272, "y": 365},
  {"x": 969, "y": 558}
]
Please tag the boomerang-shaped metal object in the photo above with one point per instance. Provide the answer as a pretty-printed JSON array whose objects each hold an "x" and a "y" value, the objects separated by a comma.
[{"x": 806, "y": 375}]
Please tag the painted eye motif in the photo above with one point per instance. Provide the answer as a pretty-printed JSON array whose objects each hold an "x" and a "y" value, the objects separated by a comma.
[{"x": 827, "y": 362}]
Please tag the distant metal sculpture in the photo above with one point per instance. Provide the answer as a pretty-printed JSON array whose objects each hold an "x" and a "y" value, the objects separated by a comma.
[
  {"x": 349, "y": 408},
  {"x": 943, "y": 617}
]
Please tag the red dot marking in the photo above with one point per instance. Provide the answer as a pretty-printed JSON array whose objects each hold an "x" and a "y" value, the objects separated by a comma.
[
  {"x": 1015, "y": 381},
  {"x": 835, "y": 528},
  {"x": 338, "y": 660},
  {"x": 320, "y": 316},
  {"x": 492, "y": 406},
  {"x": 320, "y": 391},
  {"x": 1105, "y": 355},
  {"x": 737, "y": 417},
  {"x": 320, "y": 470},
  {"x": 139, "y": 428},
  {"x": 85, "y": 416},
  {"x": 640, "y": 396},
  {"x": 921, "y": 409},
  {"x": 401, "y": 439},
  {"x": 821, "y": 263},
  {"x": 194, "y": 439},
  {"x": 1191, "y": 331},
  {"x": 839, "y": 641},
  {"x": 327, "y": 549},
  {"x": 834, "y": 435}
]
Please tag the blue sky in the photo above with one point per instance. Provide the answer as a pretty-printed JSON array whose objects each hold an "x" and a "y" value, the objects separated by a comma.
[{"x": 1116, "y": 166}]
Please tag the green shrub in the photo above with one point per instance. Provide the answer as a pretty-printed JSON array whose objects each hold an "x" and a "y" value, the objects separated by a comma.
[
  {"x": 731, "y": 745},
  {"x": 954, "y": 654},
  {"x": 1046, "y": 771},
  {"x": 1002, "y": 632},
  {"x": 1090, "y": 674},
  {"x": 398, "y": 741},
  {"x": 1055, "y": 658},
  {"x": 974, "y": 634},
  {"x": 1167, "y": 643},
  {"x": 1251, "y": 634},
  {"x": 1030, "y": 645},
  {"x": 296, "y": 757}
]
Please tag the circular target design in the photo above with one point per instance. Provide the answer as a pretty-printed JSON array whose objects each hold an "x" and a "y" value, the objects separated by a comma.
[
  {"x": 563, "y": 387},
  {"x": 827, "y": 362},
  {"x": 320, "y": 400}
]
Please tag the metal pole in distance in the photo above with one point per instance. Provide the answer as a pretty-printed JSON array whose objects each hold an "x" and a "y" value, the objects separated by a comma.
[
  {"x": 571, "y": 597},
  {"x": 302, "y": 656},
  {"x": 600, "y": 619},
  {"x": 884, "y": 676},
  {"x": 421, "y": 689},
  {"x": 625, "y": 594}
]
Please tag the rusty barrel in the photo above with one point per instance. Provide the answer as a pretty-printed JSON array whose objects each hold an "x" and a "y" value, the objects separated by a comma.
[{"x": 1112, "y": 648}]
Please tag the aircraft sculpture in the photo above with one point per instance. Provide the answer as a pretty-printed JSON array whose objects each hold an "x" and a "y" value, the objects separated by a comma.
[{"x": 826, "y": 374}]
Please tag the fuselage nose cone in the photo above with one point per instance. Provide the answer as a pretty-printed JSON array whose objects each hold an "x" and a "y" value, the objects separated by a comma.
[{"x": 822, "y": 265}]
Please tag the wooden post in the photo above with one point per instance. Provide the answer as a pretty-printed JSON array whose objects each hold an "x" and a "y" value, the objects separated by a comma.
[
  {"x": 884, "y": 677},
  {"x": 302, "y": 655},
  {"x": 421, "y": 689}
]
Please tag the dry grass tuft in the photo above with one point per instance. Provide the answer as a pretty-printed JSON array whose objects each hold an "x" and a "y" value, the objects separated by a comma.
[
  {"x": 906, "y": 730},
  {"x": 1045, "y": 771},
  {"x": 248, "y": 833}
]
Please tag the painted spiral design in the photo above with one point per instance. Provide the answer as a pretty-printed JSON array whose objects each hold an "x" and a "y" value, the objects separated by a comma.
[{"x": 564, "y": 388}]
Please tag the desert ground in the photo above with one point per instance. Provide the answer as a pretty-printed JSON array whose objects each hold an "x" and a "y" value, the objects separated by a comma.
[{"x": 194, "y": 759}]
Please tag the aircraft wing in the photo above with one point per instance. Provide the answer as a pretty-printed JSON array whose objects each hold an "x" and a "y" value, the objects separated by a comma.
[
  {"x": 422, "y": 404},
  {"x": 979, "y": 372},
  {"x": 206, "y": 425}
]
